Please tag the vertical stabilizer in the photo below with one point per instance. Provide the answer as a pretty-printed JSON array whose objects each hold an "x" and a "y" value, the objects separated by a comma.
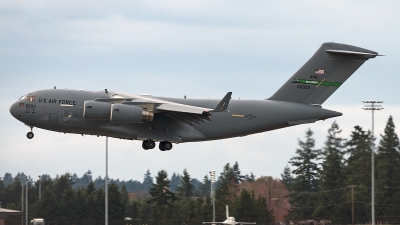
[
  {"x": 227, "y": 212},
  {"x": 323, "y": 73}
]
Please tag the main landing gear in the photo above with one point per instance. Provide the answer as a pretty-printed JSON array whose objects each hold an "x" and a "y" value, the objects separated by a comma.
[
  {"x": 30, "y": 134},
  {"x": 165, "y": 146},
  {"x": 150, "y": 144}
]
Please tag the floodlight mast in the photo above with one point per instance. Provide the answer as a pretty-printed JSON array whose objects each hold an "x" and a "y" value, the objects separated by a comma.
[
  {"x": 106, "y": 185},
  {"x": 212, "y": 174},
  {"x": 373, "y": 107}
]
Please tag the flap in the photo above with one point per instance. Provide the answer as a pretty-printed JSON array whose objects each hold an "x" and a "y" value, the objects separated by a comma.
[{"x": 181, "y": 108}]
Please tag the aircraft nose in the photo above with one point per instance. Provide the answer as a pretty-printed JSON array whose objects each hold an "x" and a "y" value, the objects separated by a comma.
[{"x": 14, "y": 110}]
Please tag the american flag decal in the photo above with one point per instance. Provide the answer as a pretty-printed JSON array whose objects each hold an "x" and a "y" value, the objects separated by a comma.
[{"x": 319, "y": 71}]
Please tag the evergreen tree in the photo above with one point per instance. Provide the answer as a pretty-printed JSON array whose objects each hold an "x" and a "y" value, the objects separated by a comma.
[
  {"x": 160, "y": 191},
  {"x": 305, "y": 185},
  {"x": 12, "y": 194},
  {"x": 237, "y": 173},
  {"x": 252, "y": 177},
  {"x": 205, "y": 189},
  {"x": 388, "y": 172},
  {"x": 175, "y": 181},
  {"x": 80, "y": 209},
  {"x": 67, "y": 205},
  {"x": 91, "y": 201},
  {"x": 186, "y": 188},
  {"x": 287, "y": 178},
  {"x": 331, "y": 176},
  {"x": 116, "y": 205},
  {"x": 244, "y": 206},
  {"x": 1, "y": 190},
  {"x": 8, "y": 179},
  {"x": 225, "y": 191},
  {"x": 147, "y": 181},
  {"x": 125, "y": 198},
  {"x": 358, "y": 172},
  {"x": 48, "y": 207}
]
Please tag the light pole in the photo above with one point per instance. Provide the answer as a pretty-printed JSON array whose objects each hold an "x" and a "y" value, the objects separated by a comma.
[
  {"x": 212, "y": 174},
  {"x": 372, "y": 107},
  {"x": 40, "y": 187},
  {"x": 106, "y": 184},
  {"x": 22, "y": 197},
  {"x": 26, "y": 198}
]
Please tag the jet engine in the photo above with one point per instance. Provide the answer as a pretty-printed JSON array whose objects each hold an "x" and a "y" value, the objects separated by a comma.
[
  {"x": 122, "y": 113},
  {"x": 96, "y": 110}
]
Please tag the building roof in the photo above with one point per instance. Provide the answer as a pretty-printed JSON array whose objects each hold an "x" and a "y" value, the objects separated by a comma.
[{"x": 9, "y": 212}]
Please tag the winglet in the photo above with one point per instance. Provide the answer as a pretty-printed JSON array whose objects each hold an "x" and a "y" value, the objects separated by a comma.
[{"x": 223, "y": 104}]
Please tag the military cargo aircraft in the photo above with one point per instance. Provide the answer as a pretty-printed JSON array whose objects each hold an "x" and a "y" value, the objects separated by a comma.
[{"x": 165, "y": 120}]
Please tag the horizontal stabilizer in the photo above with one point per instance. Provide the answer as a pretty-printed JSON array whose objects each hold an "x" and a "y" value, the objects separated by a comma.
[{"x": 343, "y": 52}]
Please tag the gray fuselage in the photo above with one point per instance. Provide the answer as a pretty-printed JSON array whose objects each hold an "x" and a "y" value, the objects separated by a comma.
[{"x": 62, "y": 110}]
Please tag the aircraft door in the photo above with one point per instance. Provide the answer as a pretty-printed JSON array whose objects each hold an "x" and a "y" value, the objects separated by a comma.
[{"x": 53, "y": 119}]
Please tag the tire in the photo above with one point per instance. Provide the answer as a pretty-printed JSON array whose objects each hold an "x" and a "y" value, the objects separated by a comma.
[
  {"x": 150, "y": 144},
  {"x": 161, "y": 146},
  {"x": 30, "y": 135},
  {"x": 144, "y": 145},
  {"x": 168, "y": 145}
]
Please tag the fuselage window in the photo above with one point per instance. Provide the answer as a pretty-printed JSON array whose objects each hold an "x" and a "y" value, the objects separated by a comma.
[{"x": 21, "y": 105}]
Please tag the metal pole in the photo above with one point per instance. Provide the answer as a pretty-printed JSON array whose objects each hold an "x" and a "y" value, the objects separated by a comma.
[
  {"x": 22, "y": 200},
  {"x": 373, "y": 170},
  {"x": 212, "y": 173},
  {"x": 373, "y": 107},
  {"x": 106, "y": 184},
  {"x": 26, "y": 205},
  {"x": 40, "y": 187},
  {"x": 352, "y": 204}
]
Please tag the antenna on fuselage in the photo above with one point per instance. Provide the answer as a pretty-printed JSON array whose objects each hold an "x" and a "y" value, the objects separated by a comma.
[{"x": 106, "y": 90}]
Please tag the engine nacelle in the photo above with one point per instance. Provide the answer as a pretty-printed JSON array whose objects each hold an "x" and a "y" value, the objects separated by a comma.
[
  {"x": 96, "y": 110},
  {"x": 122, "y": 113}
]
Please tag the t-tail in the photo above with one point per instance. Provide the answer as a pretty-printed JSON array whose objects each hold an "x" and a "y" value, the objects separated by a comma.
[{"x": 323, "y": 73}]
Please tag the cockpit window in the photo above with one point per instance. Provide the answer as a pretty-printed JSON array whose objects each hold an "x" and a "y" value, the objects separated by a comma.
[{"x": 28, "y": 98}]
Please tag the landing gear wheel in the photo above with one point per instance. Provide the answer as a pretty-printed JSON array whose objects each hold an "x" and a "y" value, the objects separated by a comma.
[
  {"x": 168, "y": 145},
  {"x": 144, "y": 145},
  {"x": 165, "y": 146},
  {"x": 148, "y": 144},
  {"x": 30, "y": 135},
  {"x": 161, "y": 146}
]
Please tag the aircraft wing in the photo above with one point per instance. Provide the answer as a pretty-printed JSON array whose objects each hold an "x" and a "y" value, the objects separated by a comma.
[
  {"x": 184, "y": 113},
  {"x": 181, "y": 112}
]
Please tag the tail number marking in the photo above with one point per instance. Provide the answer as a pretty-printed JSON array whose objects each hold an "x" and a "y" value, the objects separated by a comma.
[{"x": 303, "y": 87}]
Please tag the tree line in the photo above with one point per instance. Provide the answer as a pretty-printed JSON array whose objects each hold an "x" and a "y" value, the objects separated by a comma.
[
  {"x": 67, "y": 199},
  {"x": 324, "y": 183}
]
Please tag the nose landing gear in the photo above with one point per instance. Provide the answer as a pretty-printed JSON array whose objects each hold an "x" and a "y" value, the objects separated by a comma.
[{"x": 30, "y": 134}]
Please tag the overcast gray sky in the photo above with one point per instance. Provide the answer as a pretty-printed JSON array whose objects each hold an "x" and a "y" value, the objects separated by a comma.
[{"x": 195, "y": 48}]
